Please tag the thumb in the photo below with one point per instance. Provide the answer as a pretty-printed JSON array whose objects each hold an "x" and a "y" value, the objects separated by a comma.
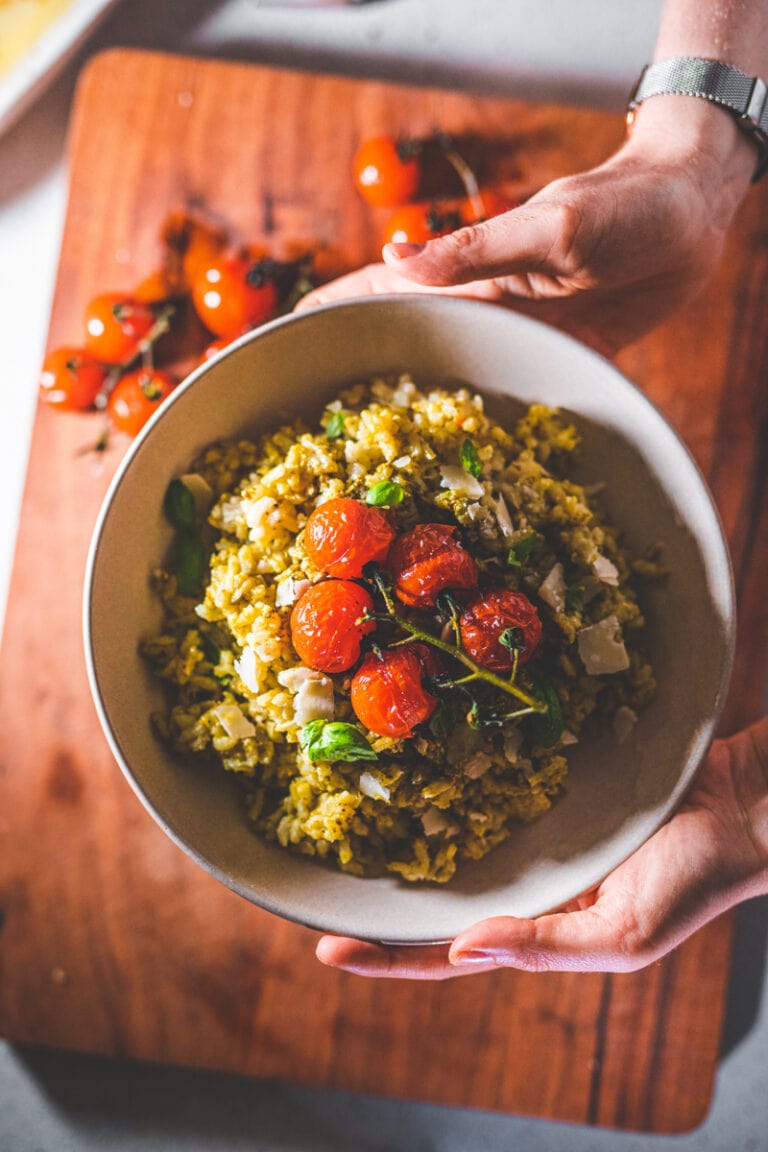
[
  {"x": 538, "y": 237},
  {"x": 562, "y": 942}
]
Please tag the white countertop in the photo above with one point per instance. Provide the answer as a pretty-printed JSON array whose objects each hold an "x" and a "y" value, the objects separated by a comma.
[{"x": 552, "y": 50}]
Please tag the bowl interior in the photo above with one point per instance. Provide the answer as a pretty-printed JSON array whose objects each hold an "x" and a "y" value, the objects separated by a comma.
[{"x": 618, "y": 793}]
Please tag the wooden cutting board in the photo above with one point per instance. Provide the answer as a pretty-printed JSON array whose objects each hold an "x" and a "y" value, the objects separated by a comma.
[{"x": 112, "y": 940}]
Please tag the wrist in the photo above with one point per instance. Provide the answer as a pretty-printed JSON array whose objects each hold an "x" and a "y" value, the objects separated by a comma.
[{"x": 700, "y": 140}]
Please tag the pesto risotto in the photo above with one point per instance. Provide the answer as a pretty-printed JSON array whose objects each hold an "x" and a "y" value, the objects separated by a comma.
[{"x": 392, "y": 626}]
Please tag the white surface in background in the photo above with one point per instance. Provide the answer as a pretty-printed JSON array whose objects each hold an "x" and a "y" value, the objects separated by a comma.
[{"x": 587, "y": 52}]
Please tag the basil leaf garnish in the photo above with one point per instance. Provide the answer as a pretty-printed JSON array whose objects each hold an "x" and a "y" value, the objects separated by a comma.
[
  {"x": 470, "y": 459},
  {"x": 334, "y": 429},
  {"x": 520, "y": 552},
  {"x": 385, "y": 494},
  {"x": 547, "y": 727},
  {"x": 334, "y": 740},
  {"x": 190, "y": 559},
  {"x": 179, "y": 505}
]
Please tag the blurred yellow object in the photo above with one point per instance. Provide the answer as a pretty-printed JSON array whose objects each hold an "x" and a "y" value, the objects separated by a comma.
[{"x": 22, "y": 23}]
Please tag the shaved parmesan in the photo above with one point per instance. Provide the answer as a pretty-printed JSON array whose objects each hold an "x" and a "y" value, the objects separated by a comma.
[
  {"x": 606, "y": 571},
  {"x": 234, "y": 723},
  {"x": 245, "y": 666},
  {"x": 457, "y": 479},
  {"x": 504, "y": 518},
  {"x": 601, "y": 647},
  {"x": 434, "y": 821},
  {"x": 289, "y": 590},
  {"x": 313, "y": 693},
  {"x": 623, "y": 722},
  {"x": 552, "y": 589},
  {"x": 372, "y": 787},
  {"x": 202, "y": 493},
  {"x": 478, "y": 765}
]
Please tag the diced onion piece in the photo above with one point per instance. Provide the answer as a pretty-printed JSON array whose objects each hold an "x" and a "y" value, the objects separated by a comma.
[
  {"x": 513, "y": 740},
  {"x": 401, "y": 462},
  {"x": 606, "y": 571},
  {"x": 567, "y": 737},
  {"x": 245, "y": 666},
  {"x": 457, "y": 479},
  {"x": 234, "y": 723},
  {"x": 477, "y": 766},
  {"x": 552, "y": 588},
  {"x": 504, "y": 518},
  {"x": 601, "y": 647},
  {"x": 623, "y": 722},
  {"x": 372, "y": 787}
]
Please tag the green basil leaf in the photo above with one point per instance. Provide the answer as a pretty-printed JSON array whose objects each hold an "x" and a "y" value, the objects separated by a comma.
[
  {"x": 546, "y": 727},
  {"x": 334, "y": 429},
  {"x": 190, "y": 561},
  {"x": 574, "y": 598},
  {"x": 520, "y": 552},
  {"x": 385, "y": 494},
  {"x": 470, "y": 459},
  {"x": 179, "y": 505},
  {"x": 334, "y": 740}
]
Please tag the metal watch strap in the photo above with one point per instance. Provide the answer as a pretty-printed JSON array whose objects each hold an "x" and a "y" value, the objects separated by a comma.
[{"x": 746, "y": 97}]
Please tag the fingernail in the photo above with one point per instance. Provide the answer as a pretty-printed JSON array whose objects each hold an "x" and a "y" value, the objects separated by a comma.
[
  {"x": 474, "y": 956},
  {"x": 403, "y": 251}
]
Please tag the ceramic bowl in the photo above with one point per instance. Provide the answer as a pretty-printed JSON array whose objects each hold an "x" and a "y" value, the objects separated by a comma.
[{"x": 618, "y": 794}]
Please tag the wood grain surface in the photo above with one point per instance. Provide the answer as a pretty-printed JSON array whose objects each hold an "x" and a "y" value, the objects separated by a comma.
[{"x": 113, "y": 941}]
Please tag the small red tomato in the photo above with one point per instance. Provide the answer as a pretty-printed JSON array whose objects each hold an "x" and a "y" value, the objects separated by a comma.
[
  {"x": 388, "y": 694},
  {"x": 115, "y": 325},
  {"x": 136, "y": 397},
  {"x": 488, "y": 616},
  {"x": 387, "y": 172},
  {"x": 230, "y": 295},
  {"x": 326, "y": 628},
  {"x": 343, "y": 535},
  {"x": 425, "y": 561},
  {"x": 418, "y": 223},
  {"x": 70, "y": 378}
]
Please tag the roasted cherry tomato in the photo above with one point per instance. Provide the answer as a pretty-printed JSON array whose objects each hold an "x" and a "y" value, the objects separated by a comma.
[
  {"x": 343, "y": 535},
  {"x": 136, "y": 397},
  {"x": 418, "y": 223},
  {"x": 491, "y": 615},
  {"x": 388, "y": 694},
  {"x": 70, "y": 378},
  {"x": 427, "y": 560},
  {"x": 215, "y": 347},
  {"x": 387, "y": 172},
  {"x": 230, "y": 295},
  {"x": 326, "y": 625},
  {"x": 115, "y": 325}
]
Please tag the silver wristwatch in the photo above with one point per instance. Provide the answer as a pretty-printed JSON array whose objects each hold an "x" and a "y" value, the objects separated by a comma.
[{"x": 746, "y": 97}]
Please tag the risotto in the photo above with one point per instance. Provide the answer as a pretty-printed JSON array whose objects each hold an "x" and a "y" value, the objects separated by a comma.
[{"x": 401, "y": 702}]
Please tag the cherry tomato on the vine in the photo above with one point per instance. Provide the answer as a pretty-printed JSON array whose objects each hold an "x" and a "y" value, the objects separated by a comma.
[
  {"x": 388, "y": 694},
  {"x": 115, "y": 325},
  {"x": 419, "y": 223},
  {"x": 136, "y": 397},
  {"x": 343, "y": 535},
  {"x": 230, "y": 295},
  {"x": 70, "y": 378},
  {"x": 427, "y": 560},
  {"x": 326, "y": 625},
  {"x": 489, "y": 617},
  {"x": 386, "y": 171}
]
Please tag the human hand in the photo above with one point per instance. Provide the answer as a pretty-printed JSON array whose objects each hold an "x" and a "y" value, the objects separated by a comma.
[
  {"x": 605, "y": 255},
  {"x": 712, "y": 854}
]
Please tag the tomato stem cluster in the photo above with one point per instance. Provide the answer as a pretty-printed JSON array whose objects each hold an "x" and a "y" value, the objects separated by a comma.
[{"x": 456, "y": 651}]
